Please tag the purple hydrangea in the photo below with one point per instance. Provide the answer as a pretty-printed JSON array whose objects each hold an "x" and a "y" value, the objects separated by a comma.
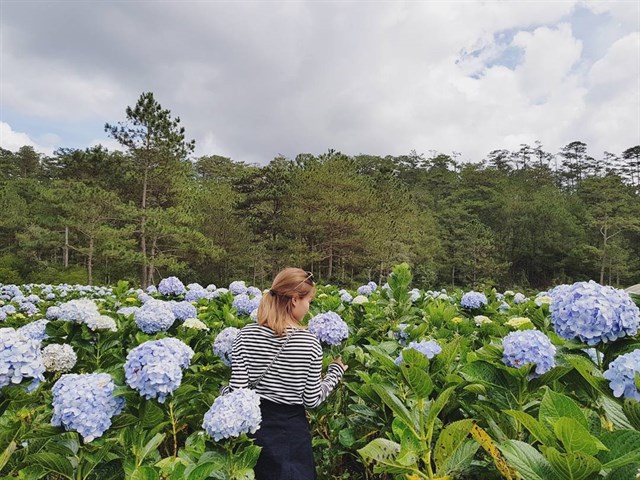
[
  {"x": 401, "y": 334},
  {"x": 85, "y": 403},
  {"x": 238, "y": 287},
  {"x": 223, "y": 344},
  {"x": 244, "y": 304},
  {"x": 183, "y": 310},
  {"x": 233, "y": 414},
  {"x": 19, "y": 358},
  {"x": 171, "y": 286},
  {"x": 529, "y": 346},
  {"x": 345, "y": 297},
  {"x": 473, "y": 300},
  {"x": 329, "y": 328},
  {"x": 154, "y": 368},
  {"x": 622, "y": 373},
  {"x": 155, "y": 316},
  {"x": 195, "y": 292},
  {"x": 428, "y": 348},
  {"x": 365, "y": 290},
  {"x": 593, "y": 313}
]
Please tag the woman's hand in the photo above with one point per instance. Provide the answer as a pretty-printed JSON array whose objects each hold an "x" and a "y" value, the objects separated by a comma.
[{"x": 338, "y": 361}]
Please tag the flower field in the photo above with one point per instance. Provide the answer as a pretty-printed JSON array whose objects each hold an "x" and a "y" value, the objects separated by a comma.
[{"x": 112, "y": 383}]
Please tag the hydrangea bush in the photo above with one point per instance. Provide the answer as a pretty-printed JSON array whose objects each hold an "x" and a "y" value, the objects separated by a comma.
[
  {"x": 329, "y": 328},
  {"x": 622, "y": 375},
  {"x": 473, "y": 300},
  {"x": 233, "y": 414},
  {"x": 529, "y": 346},
  {"x": 223, "y": 344},
  {"x": 155, "y": 316}
]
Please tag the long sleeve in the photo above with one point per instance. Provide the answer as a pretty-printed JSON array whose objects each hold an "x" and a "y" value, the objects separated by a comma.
[
  {"x": 239, "y": 372},
  {"x": 317, "y": 389}
]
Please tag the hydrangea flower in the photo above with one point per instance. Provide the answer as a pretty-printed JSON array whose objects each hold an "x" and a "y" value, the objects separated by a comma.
[
  {"x": 359, "y": 300},
  {"x": 543, "y": 298},
  {"x": 345, "y": 297},
  {"x": 183, "y": 310},
  {"x": 238, "y": 287},
  {"x": 78, "y": 311},
  {"x": 195, "y": 324},
  {"x": 414, "y": 295},
  {"x": 144, "y": 297},
  {"x": 35, "y": 330},
  {"x": 102, "y": 322},
  {"x": 233, "y": 414},
  {"x": 53, "y": 313},
  {"x": 223, "y": 344},
  {"x": 85, "y": 403},
  {"x": 504, "y": 307},
  {"x": 19, "y": 358},
  {"x": 401, "y": 335},
  {"x": 621, "y": 375},
  {"x": 473, "y": 300},
  {"x": 254, "y": 292},
  {"x": 154, "y": 368},
  {"x": 155, "y": 316},
  {"x": 519, "y": 322},
  {"x": 519, "y": 298},
  {"x": 9, "y": 309},
  {"x": 151, "y": 289},
  {"x": 593, "y": 313},
  {"x": 219, "y": 292},
  {"x": 329, "y": 328},
  {"x": 481, "y": 320},
  {"x": 428, "y": 348},
  {"x": 3, "y": 315},
  {"x": 254, "y": 315},
  {"x": 58, "y": 357},
  {"x": 365, "y": 290},
  {"x": 244, "y": 304},
  {"x": 171, "y": 286},
  {"x": 195, "y": 293},
  {"x": 529, "y": 346}
]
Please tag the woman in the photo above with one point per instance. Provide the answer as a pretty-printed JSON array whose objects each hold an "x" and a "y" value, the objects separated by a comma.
[{"x": 282, "y": 362}]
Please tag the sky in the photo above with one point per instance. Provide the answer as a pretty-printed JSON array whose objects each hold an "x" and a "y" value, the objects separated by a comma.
[{"x": 253, "y": 80}]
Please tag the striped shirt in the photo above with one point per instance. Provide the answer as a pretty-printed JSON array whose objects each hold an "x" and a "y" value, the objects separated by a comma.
[{"x": 294, "y": 378}]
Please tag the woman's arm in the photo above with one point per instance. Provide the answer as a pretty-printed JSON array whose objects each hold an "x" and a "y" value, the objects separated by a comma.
[
  {"x": 239, "y": 372},
  {"x": 317, "y": 389}
]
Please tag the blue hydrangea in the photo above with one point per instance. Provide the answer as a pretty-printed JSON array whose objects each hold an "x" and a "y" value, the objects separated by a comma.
[
  {"x": 219, "y": 292},
  {"x": 183, "y": 310},
  {"x": 245, "y": 304},
  {"x": 373, "y": 285},
  {"x": 9, "y": 309},
  {"x": 28, "y": 309},
  {"x": 428, "y": 348},
  {"x": 254, "y": 292},
  {"x": 401, "y": 335},
  {"x": 233, "y": 414},
  {"x": 19, "y": 358},
  {"x": 78, "y": 311},
  {"x": 414, "y": 295},
  {"x": 151, "y": 289},
  {"x": 529, "y": 346},
  {"x": 155, "y": 316},
  {"x": 85, "y": 403},
  {"x": 144, "y": 297},
  {"x": 53, "y": 313},
  {"x": 519, "y": 298},
  {"x": 346, "y": 297},
  {"x": 154, "y": 368},
  {"x": 593, "y": 313},
  {"x": 621, "y": 375},
  {"x": 171, "y": 286},
  {"x": 329, "y": 328},
  {"x": 35, "y": 330},
  {"x": 195, "y": 292},
  {"x": 3, "y": 315},
  {"x": 473, "y": 300},
  {"x": 223, "y": 344},
  {"x": 365, "y": 290},
  {"x": 238, "y": 287}
]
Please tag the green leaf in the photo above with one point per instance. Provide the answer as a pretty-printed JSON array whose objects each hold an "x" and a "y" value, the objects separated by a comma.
[
  {"x": 541, "y": 433},
  {"x": 381, "y": 356},
  {"x": 624, "y": 448},
  {"x": 451, "y": 438},
  {"x": 529, "y": 463},
  {"x": 614, "y": 412},
  {"x": 439, "y": 403},
  {"x": 203, "y": 471},
  {"x": 53, "y": 463},
  {"x": 152, "y": 415},
  {"x": 589, "y": 372},
  {"x": 461, "y": 458},
  {"x": 144, "y": 473},
  {"x": 574, "y": 436},
  {"x": 6, "y": 454},
  {"x": 380, "y": 450},
  {"x": 414, "y": 371},
  {"x": 555, "y": 405},
  {"x": 248, "y": 458},
  {"x": 572, "y": 466},
  {"x": 150, "y": 446},
  {"x": 631, "y": 409},
  {"x": 394, "y": 403}
]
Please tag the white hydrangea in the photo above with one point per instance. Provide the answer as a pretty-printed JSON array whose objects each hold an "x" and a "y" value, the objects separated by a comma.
[
  {"x": 101, "y": 322},
  {"x": 58, "y": 357},
  {"x": 195, "y": 324},
  {"x": 359, "y": 300},
  {"x": 481, "y": 320}
]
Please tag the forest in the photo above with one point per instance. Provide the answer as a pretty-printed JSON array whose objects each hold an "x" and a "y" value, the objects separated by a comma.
[{"x": 526, "y": 218}]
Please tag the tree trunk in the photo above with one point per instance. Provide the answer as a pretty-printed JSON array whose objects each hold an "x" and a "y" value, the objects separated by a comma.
[
  {"x": 330, "y": 269},
  {"x": 65, "y": 256},
  {"x": 604, "y": 251},
  {"x": 143, "y": 238},
  {"x": 90, "y": 262},
  {"x": 151, "y": 262}
]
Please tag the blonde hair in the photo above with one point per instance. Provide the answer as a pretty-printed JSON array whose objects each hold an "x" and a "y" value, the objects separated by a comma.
[{"x": 276, "y": 306}]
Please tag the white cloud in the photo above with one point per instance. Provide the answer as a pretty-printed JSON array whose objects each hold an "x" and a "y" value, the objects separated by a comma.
[{"x": 12, "y": 140}]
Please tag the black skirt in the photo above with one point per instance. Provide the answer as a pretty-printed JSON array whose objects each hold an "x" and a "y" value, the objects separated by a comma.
[{"x": 286, "y": 443}]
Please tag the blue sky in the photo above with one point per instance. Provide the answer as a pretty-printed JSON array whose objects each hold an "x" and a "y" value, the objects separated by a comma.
[{"x": 252, "y": 80}]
